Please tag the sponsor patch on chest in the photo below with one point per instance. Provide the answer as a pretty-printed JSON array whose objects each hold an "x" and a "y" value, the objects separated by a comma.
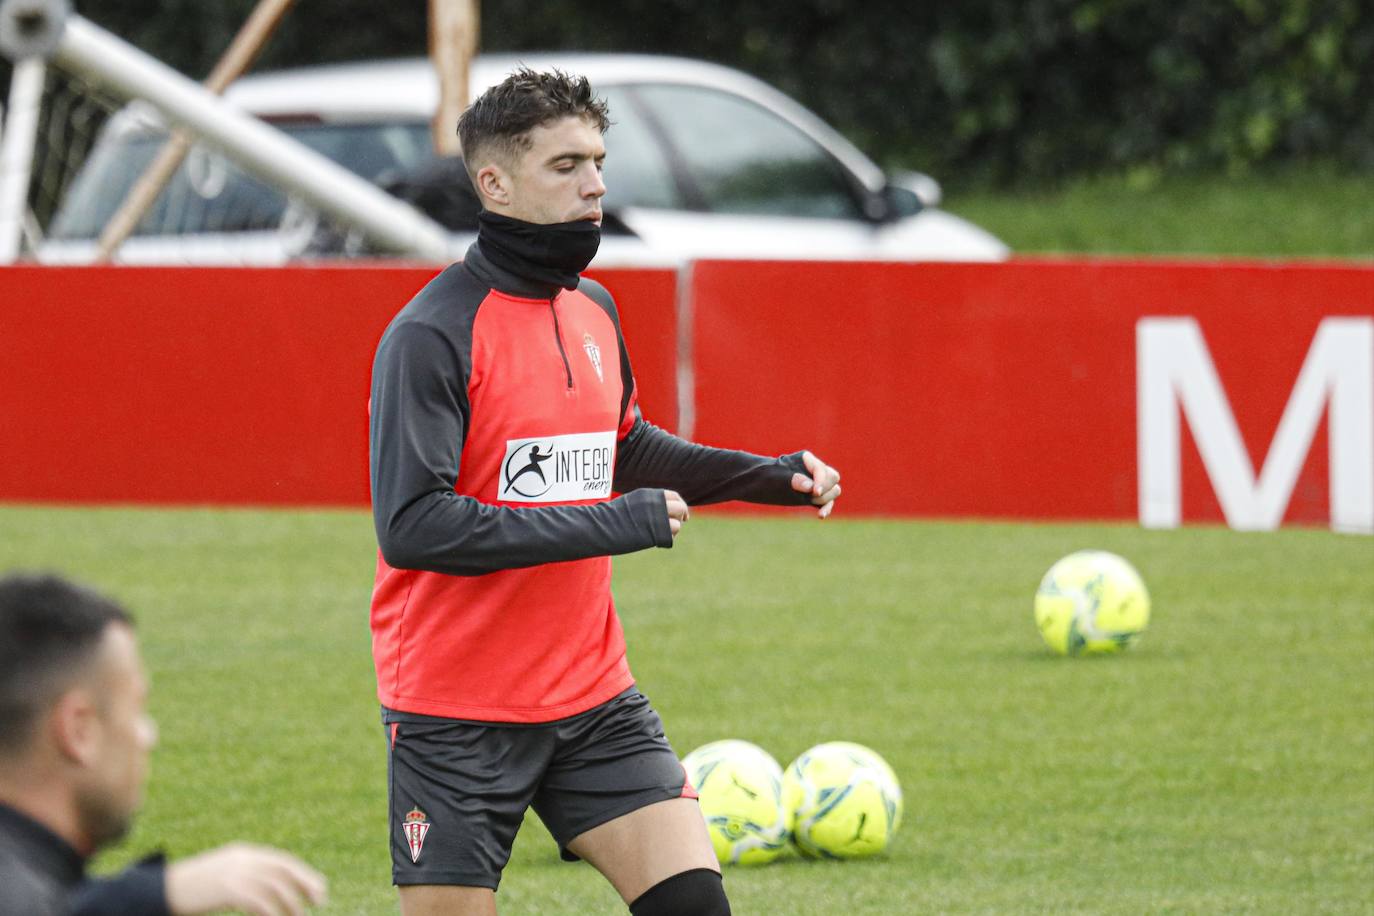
[{"x": 555, "y": 469}]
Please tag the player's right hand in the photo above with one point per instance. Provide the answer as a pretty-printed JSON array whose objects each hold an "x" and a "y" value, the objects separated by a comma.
[
  {"x": 678, "y": 511},
  {"x": 240, "y": 876}
]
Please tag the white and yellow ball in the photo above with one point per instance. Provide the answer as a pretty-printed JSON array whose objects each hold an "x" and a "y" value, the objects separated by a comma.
[
  {"x": 740, "y": 790},
  {"x": 845, "y": 800},
  {"x": 1090, "y": 603}
]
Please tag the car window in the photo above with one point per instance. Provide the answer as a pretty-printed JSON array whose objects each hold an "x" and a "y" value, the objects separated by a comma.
[
  {"x": 746, "y": 159},
  {"x": 209, "y": 193},
  {"x": 637, "y": 173}
]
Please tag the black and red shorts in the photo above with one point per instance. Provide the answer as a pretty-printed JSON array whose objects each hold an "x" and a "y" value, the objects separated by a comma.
[{"x": 458, "y": 790}]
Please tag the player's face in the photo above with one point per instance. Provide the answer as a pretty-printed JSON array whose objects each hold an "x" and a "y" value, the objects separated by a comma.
[
  {"x": 111, "y": 790},
  {"x": 558, "y": 179}
]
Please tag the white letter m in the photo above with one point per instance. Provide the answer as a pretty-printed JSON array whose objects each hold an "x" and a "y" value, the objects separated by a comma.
[{"x": 1174, "y": 367}]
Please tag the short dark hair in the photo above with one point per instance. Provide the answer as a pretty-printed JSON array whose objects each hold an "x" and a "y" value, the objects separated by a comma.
[
  {"x": 50, "y": 630},
  {"x": 501, "y": 119}
]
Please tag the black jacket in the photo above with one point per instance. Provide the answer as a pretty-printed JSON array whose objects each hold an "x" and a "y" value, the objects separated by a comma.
[{"x": 41, "y": 875}]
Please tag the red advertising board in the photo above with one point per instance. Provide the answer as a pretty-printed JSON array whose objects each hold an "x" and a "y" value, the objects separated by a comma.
[
  {"x": 1010, "y": 390},
  {"x": 225, "y": 386},
  {"x": 1032, "y": 389}
]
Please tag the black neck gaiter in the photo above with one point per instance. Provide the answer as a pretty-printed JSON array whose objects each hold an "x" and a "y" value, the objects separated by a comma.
[{"x": 553, "y": 253}]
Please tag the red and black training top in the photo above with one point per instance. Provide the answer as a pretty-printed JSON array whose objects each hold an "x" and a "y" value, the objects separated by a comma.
[{"x": 503, "y": 421}]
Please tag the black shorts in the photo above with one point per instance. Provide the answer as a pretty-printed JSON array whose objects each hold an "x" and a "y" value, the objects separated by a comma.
[{"x": 458, "y": 790}]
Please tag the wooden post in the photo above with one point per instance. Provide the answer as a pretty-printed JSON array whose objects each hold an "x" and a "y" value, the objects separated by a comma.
[
  {"x": 242, "y": 51},
  {"x": 453, "y": 32}
]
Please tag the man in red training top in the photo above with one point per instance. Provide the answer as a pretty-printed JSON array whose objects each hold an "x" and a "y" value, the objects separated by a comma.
[{"x": 504, "y": 416}]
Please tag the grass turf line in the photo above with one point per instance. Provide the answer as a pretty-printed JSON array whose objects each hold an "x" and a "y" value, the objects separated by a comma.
[{"x": 1222, "y": 765}]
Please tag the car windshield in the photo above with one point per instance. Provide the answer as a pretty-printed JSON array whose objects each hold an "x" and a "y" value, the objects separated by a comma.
[
  {"x": 637, "y": 174},
  {"x": 209, "y": 193}
]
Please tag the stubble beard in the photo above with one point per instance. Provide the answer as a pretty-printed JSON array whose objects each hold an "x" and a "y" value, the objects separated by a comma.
[{"x": 102, "y": 820}]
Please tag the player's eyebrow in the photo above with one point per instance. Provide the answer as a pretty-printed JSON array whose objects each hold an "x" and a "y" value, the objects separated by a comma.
[{"x": 574, "y": 156}]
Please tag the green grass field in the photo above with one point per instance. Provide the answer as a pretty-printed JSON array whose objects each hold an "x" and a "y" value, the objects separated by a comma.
[
  {"x": 1290, "y": 212},
  {"x": 1224, "y": 765}
]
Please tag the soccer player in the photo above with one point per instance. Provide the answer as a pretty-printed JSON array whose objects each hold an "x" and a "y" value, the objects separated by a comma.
[
  {"x": 503, "y": 419},
  {"x": 74, "y": 743}
]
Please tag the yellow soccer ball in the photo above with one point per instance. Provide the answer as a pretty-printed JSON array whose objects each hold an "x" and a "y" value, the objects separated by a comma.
[
  {"x": 845, "y": 800},
  {"x": 740, "y": 791},
  {"x": 1090, "y": 603}
]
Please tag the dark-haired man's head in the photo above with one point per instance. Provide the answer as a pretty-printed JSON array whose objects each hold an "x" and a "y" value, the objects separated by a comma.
[
  {"x": 533, "y": 149},
  {"x": 74, "y": 730}
]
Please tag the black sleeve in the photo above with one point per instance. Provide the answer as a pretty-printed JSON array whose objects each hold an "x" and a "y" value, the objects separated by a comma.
[
  {"x": 651, "y": 457},
  {"x": 419, "y": 413},
  {"x": 140, "y": 890}
]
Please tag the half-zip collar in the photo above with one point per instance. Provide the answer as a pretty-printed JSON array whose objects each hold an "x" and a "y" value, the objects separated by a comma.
[
  {"x": 512, "y": 284},
  {"x": 558, "y": 335}
]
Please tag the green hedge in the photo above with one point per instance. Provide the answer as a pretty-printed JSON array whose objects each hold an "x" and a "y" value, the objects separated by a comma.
[
  {"x": 1005, "y": 90},
  {"x": 1030, "y": 89}
]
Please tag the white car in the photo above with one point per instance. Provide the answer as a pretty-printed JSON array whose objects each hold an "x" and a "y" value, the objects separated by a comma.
[{"x": 703, "y": 162}]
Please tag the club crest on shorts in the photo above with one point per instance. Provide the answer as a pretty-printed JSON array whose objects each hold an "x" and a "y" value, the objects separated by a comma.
[
  {"x": 593, "y": 354},
  {"x": 415, "y": 826}
]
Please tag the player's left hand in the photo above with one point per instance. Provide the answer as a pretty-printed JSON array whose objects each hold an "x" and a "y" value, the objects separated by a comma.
[
  {"x": 823, "y": 484},
  {"x": 245, "y": 877}
]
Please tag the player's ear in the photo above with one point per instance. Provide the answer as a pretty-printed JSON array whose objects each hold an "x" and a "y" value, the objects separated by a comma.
[
  {"x": 75, "y": 725},
  {"x": 493, "y": 185}
]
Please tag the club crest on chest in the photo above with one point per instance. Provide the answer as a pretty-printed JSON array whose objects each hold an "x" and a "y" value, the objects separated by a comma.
[{"x": 593, "y": 354}]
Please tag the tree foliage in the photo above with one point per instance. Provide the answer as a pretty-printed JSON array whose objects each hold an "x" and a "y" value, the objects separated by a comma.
[{"x": 1007, "y": 90}]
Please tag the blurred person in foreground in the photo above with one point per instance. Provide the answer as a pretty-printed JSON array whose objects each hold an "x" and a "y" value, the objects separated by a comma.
[
  {"x": 504, "y": 418},
  {"x": 74, "y": 742}
]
